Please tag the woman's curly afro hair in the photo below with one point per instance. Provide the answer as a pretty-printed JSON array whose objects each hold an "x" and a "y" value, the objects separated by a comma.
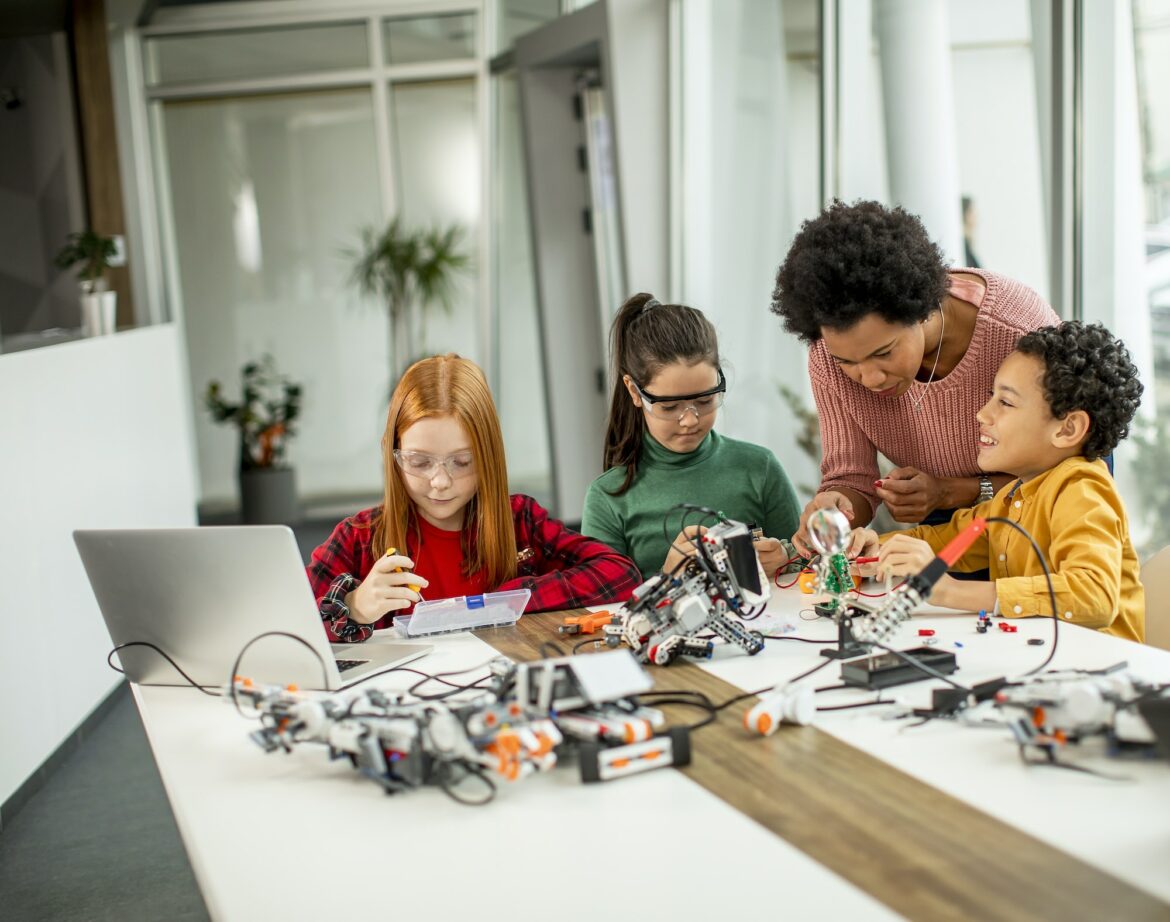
[
  {"x": 1087, "y": 368},
  {"x": 854, "y": 260}
]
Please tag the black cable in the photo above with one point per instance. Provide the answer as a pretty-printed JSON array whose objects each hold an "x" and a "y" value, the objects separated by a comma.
[
  {"x": 439, "y": 676},
  {"x": 581, "y": 643},
  {"x": 686, "y": 697},
  {"x": 551, "y": 645},
  {"x": 162, "y": 653},
  {"x": 858, "y": 704},
  {"x": 707, "y": 706},
  {"x": 449, "y": 787},
  {"x": 1051, "y": 591},
  {"x": 794, "y": 637},
  {"x": 805, "y": 675},
  {"x": 236, "y": 665}
]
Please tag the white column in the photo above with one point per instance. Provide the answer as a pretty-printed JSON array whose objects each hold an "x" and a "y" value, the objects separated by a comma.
[
  {"x": 1113, "y": 267},
  {"x": 861, "y": 144},
  {"x": 921, "y": 140},
  {"x": 1114, "y": 261}
]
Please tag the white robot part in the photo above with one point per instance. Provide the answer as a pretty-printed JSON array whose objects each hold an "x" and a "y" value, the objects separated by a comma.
[{"x": 791, "y": 704}]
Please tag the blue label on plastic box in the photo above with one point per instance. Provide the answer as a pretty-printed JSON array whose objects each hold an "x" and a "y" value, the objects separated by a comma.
[{"x": 475, "y": 601}]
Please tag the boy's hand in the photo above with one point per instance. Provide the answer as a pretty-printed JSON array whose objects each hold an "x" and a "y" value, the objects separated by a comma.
[
  {"x": 910, "y": 494},
  {"x": 386, "y": 588},
  {"x": 830, "y": 499},
  {"x": 904, "y": 556},
  {"x": 863, "y": 542},
  {"x": 772, "y": 555},
  {"x": 682, "y": 546}
]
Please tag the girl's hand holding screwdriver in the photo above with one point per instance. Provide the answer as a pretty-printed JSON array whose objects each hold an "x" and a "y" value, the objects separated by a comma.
[{"x": 389, "y": 586}]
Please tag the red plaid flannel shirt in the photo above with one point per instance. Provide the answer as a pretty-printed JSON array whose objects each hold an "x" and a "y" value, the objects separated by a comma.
[{"x": 565, "y": 569}]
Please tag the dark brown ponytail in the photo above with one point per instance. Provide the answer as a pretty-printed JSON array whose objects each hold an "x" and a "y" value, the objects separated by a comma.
[{"x": 645, "y": 337}]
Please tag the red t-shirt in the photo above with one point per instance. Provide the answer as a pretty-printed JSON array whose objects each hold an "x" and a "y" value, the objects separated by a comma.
[{"x": 439, "y": 558}]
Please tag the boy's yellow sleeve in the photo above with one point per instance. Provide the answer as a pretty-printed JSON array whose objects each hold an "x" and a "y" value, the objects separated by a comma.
[
  {"x": 939, "y": 536},
  {"x": 1085, "y": 554}
]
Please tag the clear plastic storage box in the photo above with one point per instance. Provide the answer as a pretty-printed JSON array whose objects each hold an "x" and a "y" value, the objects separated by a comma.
[{"x": 464, "y": 613}]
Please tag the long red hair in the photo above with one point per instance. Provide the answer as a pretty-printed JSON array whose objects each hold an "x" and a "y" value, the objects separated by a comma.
[{"x": 448, "y": 385}]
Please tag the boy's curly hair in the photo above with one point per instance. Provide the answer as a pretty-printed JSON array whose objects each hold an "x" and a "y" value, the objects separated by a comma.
[
  {"x": 854, "y": 260},
  {"x": 1087, "y": 368}
]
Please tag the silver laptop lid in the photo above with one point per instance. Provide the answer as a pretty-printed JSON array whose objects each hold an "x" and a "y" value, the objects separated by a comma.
[{"x": 201, "y": 594}]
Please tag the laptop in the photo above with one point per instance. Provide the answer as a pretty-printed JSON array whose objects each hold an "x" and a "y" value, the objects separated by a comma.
[{"x": 201, "y": 594}]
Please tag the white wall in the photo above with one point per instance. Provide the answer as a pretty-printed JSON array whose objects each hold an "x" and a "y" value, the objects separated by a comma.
[{"x": 95, "y": 433}]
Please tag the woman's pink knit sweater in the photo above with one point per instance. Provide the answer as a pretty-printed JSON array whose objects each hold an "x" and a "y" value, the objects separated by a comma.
[{"x": 942, "y": 436}]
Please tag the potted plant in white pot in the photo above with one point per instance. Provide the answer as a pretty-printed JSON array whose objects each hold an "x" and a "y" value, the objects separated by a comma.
[
  {"x": 94, "y": 253},
  {"x": 269, "y": 406},
  {"x": 409, "y": 270}
]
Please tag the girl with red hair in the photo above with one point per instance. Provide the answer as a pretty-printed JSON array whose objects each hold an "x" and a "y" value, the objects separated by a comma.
[{"x": 447, "y": 508}]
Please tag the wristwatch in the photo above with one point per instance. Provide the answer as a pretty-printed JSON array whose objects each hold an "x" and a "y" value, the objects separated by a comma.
[{"x": 986, "y": 489}]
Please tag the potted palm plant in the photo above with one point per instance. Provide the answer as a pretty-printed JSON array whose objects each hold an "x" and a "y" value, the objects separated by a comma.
[
  {"x": 94, "y": 253},
  {"x": 265, "y": 416},
  {"x": 409, "y": 270}
]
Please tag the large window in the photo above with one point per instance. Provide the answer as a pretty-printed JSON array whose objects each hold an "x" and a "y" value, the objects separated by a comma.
[
  {"x": 750, "y": 173},
  {"x": 938, "y": 113},
  {"x": 276, "y": 145}
]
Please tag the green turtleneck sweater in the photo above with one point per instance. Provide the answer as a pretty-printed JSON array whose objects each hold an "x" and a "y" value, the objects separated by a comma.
[{"x": 743, "y": 481}]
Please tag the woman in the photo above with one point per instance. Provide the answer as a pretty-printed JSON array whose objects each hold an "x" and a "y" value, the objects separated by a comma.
[{"x": 902, "y": 355}]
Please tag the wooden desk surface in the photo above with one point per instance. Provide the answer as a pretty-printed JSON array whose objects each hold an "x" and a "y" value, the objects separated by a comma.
[{"x": 921, "y": 852}]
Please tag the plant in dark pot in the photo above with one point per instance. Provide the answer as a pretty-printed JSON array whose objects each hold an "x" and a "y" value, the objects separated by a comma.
[{"x": 265, "y": 416}]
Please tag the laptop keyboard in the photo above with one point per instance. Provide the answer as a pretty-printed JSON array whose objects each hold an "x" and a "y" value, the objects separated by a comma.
[{"x": 344, "y": 664}]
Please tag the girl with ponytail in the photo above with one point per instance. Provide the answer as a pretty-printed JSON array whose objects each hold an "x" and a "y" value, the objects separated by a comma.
[{"x": 661, "y": 448}]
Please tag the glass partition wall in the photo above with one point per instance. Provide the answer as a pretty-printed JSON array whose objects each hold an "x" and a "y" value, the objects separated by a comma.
[{"x": 276, "y": 145}]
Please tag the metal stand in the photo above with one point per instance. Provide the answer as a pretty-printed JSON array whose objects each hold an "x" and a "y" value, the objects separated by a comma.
[{"x": 847, "y": 645}]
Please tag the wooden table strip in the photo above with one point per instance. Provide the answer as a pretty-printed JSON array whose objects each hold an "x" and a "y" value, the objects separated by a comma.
[{"x": 924, "y": 853}]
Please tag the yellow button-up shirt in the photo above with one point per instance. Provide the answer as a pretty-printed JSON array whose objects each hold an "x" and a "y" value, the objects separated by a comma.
[{"x": 1076, "y": 517}]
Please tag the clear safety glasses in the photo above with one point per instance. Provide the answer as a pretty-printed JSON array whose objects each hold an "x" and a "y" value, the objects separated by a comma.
[
  {"x": 420, "y": 464},
  {"x": 675, "y": 408}
]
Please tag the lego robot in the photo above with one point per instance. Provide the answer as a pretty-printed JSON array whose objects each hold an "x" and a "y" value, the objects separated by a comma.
[
  {"x": 527, "y": 717},
  {"x": 720, "y": 584},
  {"x": 1057, "y": 708}
]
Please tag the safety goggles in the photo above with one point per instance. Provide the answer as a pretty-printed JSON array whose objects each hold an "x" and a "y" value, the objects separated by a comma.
[
  {"x": 420, "y": 464},
  {"x": 675, "y": 408}
]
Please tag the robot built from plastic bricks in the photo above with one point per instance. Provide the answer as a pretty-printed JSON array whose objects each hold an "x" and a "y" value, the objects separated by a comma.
[
  {"x": 527, "y": 716},
  {"x": 718, "y": 585}
]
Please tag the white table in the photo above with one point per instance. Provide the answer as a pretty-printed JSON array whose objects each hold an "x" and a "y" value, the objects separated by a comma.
[
  {"x": 1122, "y": 827},
  {"x": 297, "y": 836}
]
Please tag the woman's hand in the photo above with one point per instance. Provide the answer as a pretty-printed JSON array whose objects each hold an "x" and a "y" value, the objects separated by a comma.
[
  {"x": 682, "y": 547},
  {"x": 830, "y": 499},
  {"x": 863, "y": 542},
  {"x": 772, "y": 555},
  {"x": 386, "y": 588},
  {"x": 910, "y": 494}
]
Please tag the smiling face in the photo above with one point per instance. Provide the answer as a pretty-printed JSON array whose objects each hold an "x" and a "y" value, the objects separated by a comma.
[
  {"x": 439, "y": 498},
  {"x": 881, "y": 356},
  {"x": 1017, "y": 432},
  {"x": 678, "y": 378}
]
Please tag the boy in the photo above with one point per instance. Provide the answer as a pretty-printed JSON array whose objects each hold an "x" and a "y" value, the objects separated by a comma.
[{"x": 1061, "y": 402}]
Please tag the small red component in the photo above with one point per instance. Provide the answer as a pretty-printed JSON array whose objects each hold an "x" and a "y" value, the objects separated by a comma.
[
  {"x": 1007, "y": 628},
  {"x": 925, "y": 632}
]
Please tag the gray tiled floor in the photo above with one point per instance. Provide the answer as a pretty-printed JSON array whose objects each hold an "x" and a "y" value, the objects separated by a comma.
[{"x": 98, "y": 841}]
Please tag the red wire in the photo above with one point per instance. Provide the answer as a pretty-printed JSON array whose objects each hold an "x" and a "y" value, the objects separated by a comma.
[
  {"x": 780, "y": 585},
  {"x": 878, "y": 595}
]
